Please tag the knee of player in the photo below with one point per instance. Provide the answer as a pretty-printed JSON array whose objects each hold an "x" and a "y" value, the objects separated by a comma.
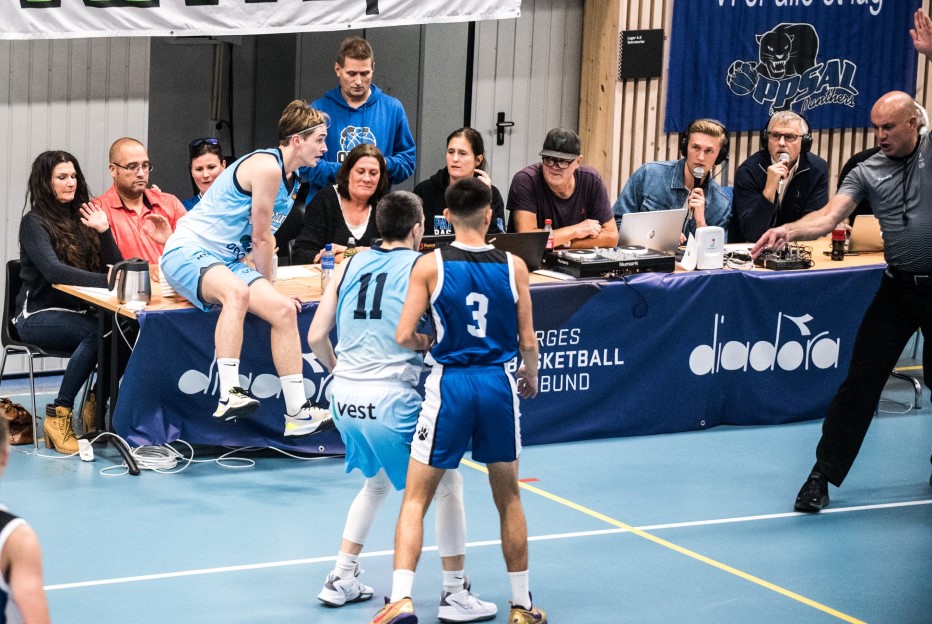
[{"x": 284, "y": 313}]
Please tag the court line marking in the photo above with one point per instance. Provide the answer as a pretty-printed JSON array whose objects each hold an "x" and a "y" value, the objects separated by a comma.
[
  {"x": 389, "y": 553},
  {"x": 677, "y": 548}
]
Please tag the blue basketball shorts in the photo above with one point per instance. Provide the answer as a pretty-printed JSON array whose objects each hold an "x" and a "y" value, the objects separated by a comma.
[
  {"x": 376, "y": 420},
  {"x": 184, "y": 268},
  {"x": 477, "y": 404}
]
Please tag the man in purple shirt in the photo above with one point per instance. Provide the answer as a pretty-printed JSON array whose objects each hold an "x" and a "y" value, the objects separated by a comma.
[{"x": 570, "y": 194}]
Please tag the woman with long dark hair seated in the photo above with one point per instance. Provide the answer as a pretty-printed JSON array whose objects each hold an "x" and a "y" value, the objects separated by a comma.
[
  {"x": 63, "y": 240},
  {"x": 206, "y": 162},
  {"x": 345, "y": 210},
  {"x": 465, "y": 159}
]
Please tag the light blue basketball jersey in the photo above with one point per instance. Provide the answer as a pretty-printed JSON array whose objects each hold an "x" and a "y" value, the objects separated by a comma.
[
  {"x": 370, "y": 297},
  {"x": 474, "y": 306},
  {"x": 221, "y": 222}
]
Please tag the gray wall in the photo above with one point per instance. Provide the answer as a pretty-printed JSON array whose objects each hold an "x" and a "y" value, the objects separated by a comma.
[{"x": 423, "y": 66}]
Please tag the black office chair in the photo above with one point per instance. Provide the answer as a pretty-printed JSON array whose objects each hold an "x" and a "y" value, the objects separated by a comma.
[{"x": 12, "y": 342}]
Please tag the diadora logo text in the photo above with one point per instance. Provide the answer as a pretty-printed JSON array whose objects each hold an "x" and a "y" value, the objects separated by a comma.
[
  {"x": 261, "y": 386},
  {"x": 793, "y": 347}
]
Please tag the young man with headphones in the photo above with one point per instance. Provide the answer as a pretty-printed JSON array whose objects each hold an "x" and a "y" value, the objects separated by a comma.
[
  {"x": 672, "y": 184},
  {"x": 780, "y": 183}
]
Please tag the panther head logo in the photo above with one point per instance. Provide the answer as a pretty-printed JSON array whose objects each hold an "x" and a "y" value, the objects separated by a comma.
[{"x": 787, "y": 50}]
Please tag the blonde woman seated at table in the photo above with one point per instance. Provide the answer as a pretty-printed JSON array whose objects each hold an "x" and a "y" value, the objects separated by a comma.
[
  {"x": 63, "y": 239},
  {"x": 465, "y": 159},
  {"x": 346, "y": 209}
]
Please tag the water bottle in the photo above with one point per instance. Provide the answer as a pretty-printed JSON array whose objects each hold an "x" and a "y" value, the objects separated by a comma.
[
  {"x": 326, "y": 267},
  {"x": 839, "y": 238},
  {"x": 548, "y": 227},
  {"x": 351, "y": 249},
  {"x": 274, "y": 271}
]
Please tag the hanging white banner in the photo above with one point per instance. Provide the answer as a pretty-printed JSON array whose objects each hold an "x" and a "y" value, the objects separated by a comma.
[{"x": 66, "y": 19}]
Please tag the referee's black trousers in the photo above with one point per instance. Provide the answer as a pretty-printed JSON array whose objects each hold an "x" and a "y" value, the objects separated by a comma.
[{"x": 897, "y": 310}]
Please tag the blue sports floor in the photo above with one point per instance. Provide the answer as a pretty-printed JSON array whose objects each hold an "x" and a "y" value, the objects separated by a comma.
[{"x": 694, "y": 527}]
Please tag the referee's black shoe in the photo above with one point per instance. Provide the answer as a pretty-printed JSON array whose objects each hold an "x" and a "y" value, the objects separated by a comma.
[{"x": 813, "y": 496}]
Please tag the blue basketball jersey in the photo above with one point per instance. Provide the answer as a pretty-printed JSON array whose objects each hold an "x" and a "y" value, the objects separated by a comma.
[
  {"x": 221, "y": 222},
  {"x": 370, "y": 297},
  {"x": 474, "y": 306}
]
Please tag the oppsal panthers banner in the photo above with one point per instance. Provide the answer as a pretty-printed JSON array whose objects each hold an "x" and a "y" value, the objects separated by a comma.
[
  {"x": 65, "y": 19},
  {"x": 738, "y": 61}
]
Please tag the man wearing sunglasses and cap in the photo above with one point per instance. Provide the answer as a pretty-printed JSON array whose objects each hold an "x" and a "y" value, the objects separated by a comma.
[{"x": 571, "y": 195}]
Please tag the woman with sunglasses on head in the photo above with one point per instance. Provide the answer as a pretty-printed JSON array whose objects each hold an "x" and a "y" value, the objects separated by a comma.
[
  {"x": 63, "y": 239},
  {"x": 346, "y": 209},
  {"x": 465, "y": 159},
  {"x": 206, "y": 161}
]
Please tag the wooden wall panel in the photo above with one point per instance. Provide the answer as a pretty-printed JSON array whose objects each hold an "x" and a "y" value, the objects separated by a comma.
[{"x": 639, "y": 105}]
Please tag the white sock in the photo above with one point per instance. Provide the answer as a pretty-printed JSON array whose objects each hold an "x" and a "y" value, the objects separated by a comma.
[
  {"x": 345, "y": 566},
  {"x": 453, "y": 581},
  {"x": 228, "y": 373},
  {"x": 520, "y": 592},
  {"x": 402, "y": 584},
  {"x": 293, "y": 392}
]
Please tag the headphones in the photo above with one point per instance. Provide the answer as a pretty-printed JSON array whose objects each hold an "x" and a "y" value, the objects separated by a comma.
[
  {"x": 684, "y": 139},
  {"x": 806, "y": 138}
]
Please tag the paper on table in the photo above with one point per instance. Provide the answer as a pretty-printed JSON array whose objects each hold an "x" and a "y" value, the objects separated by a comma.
[
  {"x": 97, "y": 292},
  {"x": 554, "y": 274},
  {"x": 292, "y": 272}
]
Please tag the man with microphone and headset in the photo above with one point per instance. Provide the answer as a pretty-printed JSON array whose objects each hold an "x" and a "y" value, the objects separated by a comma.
[
  {"x": 779, "y": 184},
  {"x": 684, "y": 183}
]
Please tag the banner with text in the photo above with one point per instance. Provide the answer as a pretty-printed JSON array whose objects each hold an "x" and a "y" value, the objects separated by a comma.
[
  {"x": 58, "y": 19},
  {"x": 739, "y": 61}
]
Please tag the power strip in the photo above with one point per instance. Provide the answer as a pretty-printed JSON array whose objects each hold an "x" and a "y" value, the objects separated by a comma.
[{"x": 782, "y": 264}]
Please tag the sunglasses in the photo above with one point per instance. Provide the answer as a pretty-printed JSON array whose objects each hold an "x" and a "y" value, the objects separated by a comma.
[{"x": 205, "y": 141}]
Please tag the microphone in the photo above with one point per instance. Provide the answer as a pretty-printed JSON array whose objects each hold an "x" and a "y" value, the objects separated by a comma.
[
  {"x": 698, "y": 174},
  {"x": 783, "y": 157}
]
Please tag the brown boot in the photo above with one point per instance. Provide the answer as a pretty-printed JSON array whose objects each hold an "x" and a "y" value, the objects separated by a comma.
[
  {"x": 89, "y": 413},
  {"x": 59, "y": 431}
]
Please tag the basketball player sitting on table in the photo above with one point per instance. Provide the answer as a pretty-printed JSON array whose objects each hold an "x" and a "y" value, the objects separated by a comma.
[{"x": 203, "y": 261}]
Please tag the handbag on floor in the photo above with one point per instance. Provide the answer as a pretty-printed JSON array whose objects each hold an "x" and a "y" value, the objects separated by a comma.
[{"x": 20, "y": 422}]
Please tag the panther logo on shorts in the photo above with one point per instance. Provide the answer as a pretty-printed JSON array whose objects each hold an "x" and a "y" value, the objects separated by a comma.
[{"x": 422, "y": 434}]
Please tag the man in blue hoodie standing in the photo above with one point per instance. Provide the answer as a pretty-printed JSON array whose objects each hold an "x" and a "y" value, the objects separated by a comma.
[{"x": 360, "y": 113}]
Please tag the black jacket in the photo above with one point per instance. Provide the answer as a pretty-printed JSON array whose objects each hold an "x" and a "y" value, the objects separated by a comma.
[
  {"x": 431, "y": 191},
  {"x": 752, "y": 214}
]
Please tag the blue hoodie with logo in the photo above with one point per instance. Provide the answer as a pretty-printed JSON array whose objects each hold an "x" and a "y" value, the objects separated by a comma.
[{"x": 381, "y": 121}]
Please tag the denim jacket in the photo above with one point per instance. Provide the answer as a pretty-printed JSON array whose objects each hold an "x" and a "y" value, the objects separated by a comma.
[{"x": 659, "y": 186}]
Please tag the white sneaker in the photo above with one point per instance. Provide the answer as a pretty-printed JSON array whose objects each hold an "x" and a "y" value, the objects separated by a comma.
[
  {"x": 309, "y": 419},
  {"x": 338, "y": 591},
  {"x": 463, "y": 606},
  {"x": 238, "y": 404}
]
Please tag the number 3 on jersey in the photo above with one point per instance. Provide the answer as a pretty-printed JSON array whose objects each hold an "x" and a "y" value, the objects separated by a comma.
[{"x": 480, "y": 308}]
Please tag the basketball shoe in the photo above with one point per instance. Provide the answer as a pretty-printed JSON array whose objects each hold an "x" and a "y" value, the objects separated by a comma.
[
  {"x": 309, "y": 419},
  {"x": 520, "y": 615},
  {"x": 238, "y": 404},
  {"x": 339, "y": 591},
  {"x": 401, "y": 612},
  {"x": 463, "y": 606}
]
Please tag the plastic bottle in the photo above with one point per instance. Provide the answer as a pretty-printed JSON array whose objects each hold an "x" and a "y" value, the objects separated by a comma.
[
  {"x": 274, "y": 276},
  {"x": 351, "y": 249},
  {"x": 326, "y": 267},
  {"x": 548, "y": 227},
  {"x": 839, "y": 239}
]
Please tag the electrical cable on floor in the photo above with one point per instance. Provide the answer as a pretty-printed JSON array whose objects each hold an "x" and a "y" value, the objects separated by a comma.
[{"x": 164, "y": 458}]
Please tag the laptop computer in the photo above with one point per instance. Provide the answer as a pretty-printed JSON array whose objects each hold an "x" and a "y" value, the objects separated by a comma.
[
  {"x": 658, "y": 230},
  {"x": 866, "y": 235},
  {"x": 529, "y": 246}
]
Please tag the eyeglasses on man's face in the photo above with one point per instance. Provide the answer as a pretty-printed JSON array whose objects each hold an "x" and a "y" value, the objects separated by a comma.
[
  {"x": 134, "y": 167},
  {"x": 559, "y": 163},
  {"x": 776, "y": 136}
]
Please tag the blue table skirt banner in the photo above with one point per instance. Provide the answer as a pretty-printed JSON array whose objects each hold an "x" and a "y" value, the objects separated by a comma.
[
  {"x": 652, "y": 353},
  {"x": 738, "y": 61}
]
